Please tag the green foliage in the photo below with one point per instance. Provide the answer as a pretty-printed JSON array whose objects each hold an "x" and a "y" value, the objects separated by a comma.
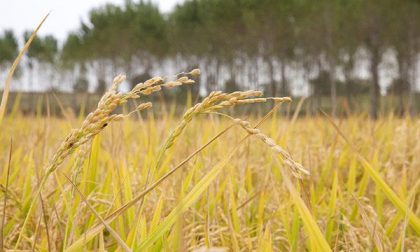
[
  {"x": 43, "y": 49},
  {"x": 71, "y": 52},
  {"x": 118, "y": 33},
  {"x": 253, "y": 42},
  {"x": 8, "y": 47}
]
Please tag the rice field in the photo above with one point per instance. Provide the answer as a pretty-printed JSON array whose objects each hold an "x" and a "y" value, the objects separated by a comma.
[{"x": 208, "y": 180}]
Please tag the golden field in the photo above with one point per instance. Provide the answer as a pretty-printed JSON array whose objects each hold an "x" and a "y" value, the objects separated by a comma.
[
  {"x": 127, "y": 176},
  {"x": 235, "y": 194}
]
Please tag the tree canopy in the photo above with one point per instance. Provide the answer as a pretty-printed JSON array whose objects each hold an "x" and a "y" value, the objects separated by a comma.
[
  {"x": 8, "y": 47},
  {"x": 250, "y": 44}
]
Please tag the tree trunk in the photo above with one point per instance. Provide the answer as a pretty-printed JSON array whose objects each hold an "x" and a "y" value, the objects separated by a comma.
[
  {"x": 412, "y": 87},
  {"x": 349, "y": 80},
  {"x": 329, "y": 29},
  {"x": 284, "y": 89},
  {"x": 273, "y": 86},
  {"x": 209, "y": 76},
  {"x": 255, "y": 74},
  {"x": 333, "y": 86},
  {"x": 374, "y": 92},
  {"x": 30, "y": 74},
  {"x": 249, "y": 73},
  {"x": 403, "y": 79},
  {"x": 217, "y": 74}
]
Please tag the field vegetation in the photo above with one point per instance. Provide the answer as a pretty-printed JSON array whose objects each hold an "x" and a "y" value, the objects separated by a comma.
[{"x": 141, "y": 182}]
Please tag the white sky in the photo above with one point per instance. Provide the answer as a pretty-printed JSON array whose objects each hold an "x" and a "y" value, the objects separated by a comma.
[{"x": 65, "y": 15}]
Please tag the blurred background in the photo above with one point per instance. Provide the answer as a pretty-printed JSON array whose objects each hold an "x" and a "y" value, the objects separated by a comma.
[{"x": 343, "y": 56}]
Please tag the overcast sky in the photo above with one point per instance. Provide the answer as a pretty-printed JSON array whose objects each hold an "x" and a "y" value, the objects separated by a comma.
[{"x": 65, "y": 15}]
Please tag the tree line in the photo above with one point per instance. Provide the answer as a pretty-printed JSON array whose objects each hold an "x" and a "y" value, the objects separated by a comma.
[{"x": 319, "y": 48}]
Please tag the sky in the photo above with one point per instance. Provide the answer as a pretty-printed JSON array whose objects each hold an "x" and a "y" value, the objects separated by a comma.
[{"x": 65, "y": 15}]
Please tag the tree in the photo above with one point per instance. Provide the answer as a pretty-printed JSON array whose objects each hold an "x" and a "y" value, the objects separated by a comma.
[
  {"x": 101, "y": 86},
  {"x": 405, "y": 42},
  {"x": 43, "y": 51},
  {"x": 116, "y": 37},
  {"x": 374, "y": 28},
  {"x": 72, "y": 52},
  {"x": 255, "y": 42},
  {"x": 8, "y": 48},
  {"x": 81, "y": 85}
]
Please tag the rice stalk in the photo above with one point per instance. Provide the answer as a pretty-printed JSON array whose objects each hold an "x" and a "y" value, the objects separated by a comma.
[
  {"x": 185, "y": 202},
  {"x": 308, "y": 221},
  {"x": 216, "y": 100},
  {"x": 297, "y": 169},
  {"x": 109, "y": 228},
  {"x": 92, "y": 232},
  {"x": 193, "y": 111},
  {"x": 96, "y": 121},
  {"x": 413, "y": 220},
  {"x": 5, "y": 194}
]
